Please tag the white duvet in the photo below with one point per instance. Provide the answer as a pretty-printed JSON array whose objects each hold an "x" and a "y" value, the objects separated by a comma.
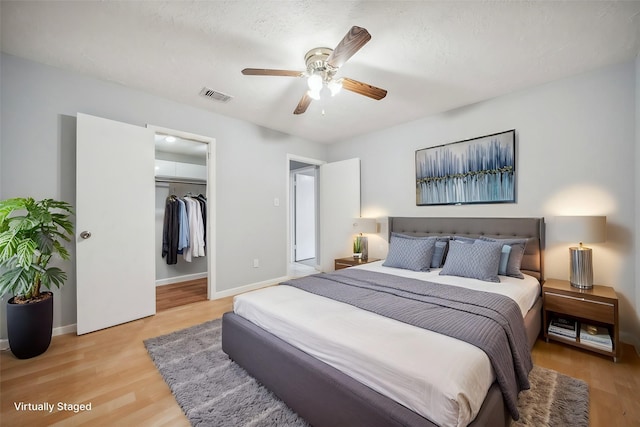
[{"x": 440, "y": 378}]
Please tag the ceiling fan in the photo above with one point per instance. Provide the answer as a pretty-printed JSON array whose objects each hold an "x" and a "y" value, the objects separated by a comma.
[{"x": 322, "y": 65}]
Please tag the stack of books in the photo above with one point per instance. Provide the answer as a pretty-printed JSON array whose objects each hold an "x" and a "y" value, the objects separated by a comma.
[
  {"x": 596, "y": 337},
  {"x": 564, "y": 328}
]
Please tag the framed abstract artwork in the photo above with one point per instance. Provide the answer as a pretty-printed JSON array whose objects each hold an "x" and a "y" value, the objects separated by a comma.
[{"x": 478, "y": 170}]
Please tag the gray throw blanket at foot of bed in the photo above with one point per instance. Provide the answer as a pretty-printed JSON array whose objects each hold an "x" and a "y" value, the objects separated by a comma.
[{"x": 491, "y": 322}]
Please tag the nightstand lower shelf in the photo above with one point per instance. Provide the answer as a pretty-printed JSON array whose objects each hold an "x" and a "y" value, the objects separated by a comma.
[
  {"x": 575, "y": 342},
  {"x": 596, "y": 307}
]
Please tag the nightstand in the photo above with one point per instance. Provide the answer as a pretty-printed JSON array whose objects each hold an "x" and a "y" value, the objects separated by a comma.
[
  {"x": 341, "y": 263},
  {"x": 597, "y": 306}
]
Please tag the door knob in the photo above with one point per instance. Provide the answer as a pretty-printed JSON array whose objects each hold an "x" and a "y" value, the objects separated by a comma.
[{"x": 85, "y": 234}]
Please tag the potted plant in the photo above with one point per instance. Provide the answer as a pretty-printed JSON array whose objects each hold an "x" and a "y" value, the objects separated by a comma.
[
  {"x": 31, "y": 234},
  {"x": 357, "y": 247}
]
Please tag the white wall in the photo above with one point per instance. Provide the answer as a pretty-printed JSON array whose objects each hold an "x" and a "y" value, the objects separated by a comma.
[
  {"x": 575, "y": 145},
  {"x": 38, "y": 108}
]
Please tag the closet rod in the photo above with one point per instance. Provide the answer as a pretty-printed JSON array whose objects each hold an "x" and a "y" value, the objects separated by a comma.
[{"x": 182, "y": 181}]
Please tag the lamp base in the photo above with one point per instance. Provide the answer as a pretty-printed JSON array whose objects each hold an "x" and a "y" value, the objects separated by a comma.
[
  {"x": 581, "y": 286},
  {"x": 581, "y": 270}
]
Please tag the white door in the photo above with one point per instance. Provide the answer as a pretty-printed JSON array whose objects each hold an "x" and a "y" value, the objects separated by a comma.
[
  {"x": 115, "y": 270},
  {"x": 339, "y": 205},
  {"x": 305, "y": 215}
]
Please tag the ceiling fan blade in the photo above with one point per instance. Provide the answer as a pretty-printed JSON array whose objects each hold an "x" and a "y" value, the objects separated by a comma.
[
  {"x": 363, "y": 88},
  {"x": 303, "y": 104},
  {"x": 348, "y": 46},
  {"x": 268, "y": 72}
]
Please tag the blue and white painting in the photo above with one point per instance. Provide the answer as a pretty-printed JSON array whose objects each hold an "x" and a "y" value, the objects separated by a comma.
[{"x": 478, "y": 170}]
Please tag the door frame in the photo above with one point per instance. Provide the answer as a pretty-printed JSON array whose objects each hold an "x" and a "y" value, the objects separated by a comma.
[
  {"x": 211, "y": 199},
  {"x": 314, "y": 162},
  {"x": 294, "y": 208}
]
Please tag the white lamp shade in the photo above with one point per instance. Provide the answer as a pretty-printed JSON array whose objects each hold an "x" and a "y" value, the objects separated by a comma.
[
  {"x": 314, "y": 94},
  {"x": 335, "y": 86},
  {"x": 587, "y": 229},
  {"x": 314, "y": 82},
  {"x": 364, "y": 225}
]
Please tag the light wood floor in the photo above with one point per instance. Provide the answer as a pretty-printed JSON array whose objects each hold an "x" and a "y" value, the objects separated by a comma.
[
  {"x": 177, "y": 294},
  {"x": 112, "y": 370}
]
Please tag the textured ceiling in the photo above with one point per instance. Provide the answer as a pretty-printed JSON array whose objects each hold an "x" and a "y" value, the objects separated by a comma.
[{"x": 431, "y": 56}]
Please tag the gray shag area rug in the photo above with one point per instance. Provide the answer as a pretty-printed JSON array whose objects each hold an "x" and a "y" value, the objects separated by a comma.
[
  {"x": 554, "y": 400},
  {"x": 214, "y": 391}
]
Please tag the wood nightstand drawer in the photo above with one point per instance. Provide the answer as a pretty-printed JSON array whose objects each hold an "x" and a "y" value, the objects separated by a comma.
[
  {"x": 580, "y": 307},
  {"x": 347, "y": 262},
  {"x": 340, "y": 265}
]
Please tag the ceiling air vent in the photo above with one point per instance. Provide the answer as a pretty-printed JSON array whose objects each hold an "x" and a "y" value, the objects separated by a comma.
[{"x": 215, "y": 95}]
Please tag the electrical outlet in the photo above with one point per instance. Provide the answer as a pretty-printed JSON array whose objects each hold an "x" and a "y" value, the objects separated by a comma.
[{"x": 256, "y": 263}]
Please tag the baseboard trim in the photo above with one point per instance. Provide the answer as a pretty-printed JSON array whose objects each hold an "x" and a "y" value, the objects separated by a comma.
[
  {"x": 631, "y": 339},
  {"x": 249, "y": 287},
  {"x": 69, "y": 329},
  {"x": 178, "y": 279}
]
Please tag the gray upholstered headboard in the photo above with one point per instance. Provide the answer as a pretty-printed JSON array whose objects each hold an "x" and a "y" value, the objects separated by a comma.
[{"x": 531, "y": 228}]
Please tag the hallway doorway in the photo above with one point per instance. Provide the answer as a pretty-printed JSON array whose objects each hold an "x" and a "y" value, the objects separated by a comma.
[{"x": 304, "y": 217}]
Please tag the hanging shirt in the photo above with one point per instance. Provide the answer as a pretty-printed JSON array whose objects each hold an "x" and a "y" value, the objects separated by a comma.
[
  {"x": 170, "y": 230},
  {"x": 203, "y": 205},
  {"x": 188, "y": 251},
  {"x": 183, "y": 239},
  {"x": 197, "y": 243},
  {"x": 196, "y": 230}
]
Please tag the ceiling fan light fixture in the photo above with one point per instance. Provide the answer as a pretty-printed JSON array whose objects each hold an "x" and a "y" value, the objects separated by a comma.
[
  {"x": 335, "y": 86},
  {"x": 322, "y": 64},
  {"x": 315, "y": 83},
  {"x": 314, "y": 94}
]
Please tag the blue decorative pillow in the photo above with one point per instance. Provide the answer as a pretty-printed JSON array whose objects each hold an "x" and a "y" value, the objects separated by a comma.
[
  {"x": 439, "y": 253},
  {"x": 479, "y": 260},
  {"x": 410, "y": 252},
  {"x": 504, "y": 260},
  {"x": 515, "y": 256}
]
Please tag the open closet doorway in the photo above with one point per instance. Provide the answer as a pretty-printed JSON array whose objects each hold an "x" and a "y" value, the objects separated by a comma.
[
  {"x": 304, "y": 211},
  {"x": 184, "y": 218}
]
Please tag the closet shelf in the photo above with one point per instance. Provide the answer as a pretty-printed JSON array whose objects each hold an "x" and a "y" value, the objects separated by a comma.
[{"x": 173, "y": 179}]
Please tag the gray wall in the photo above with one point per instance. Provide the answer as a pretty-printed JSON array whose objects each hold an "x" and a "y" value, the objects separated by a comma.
[
  {"x": 38, "y": 108},
  {"x": 576, "y": 155}
]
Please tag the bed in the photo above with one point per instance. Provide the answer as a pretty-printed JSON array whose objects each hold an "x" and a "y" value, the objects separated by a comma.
[{"x": 320, "y": 391}]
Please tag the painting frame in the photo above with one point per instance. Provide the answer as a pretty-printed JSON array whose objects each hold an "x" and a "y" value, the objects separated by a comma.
[{"x": 479, "y": 170}]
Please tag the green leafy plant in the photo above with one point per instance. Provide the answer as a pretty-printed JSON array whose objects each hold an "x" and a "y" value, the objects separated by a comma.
[
  {"x": 31, "y": 233},
  {"x": 357, "y": 245}
]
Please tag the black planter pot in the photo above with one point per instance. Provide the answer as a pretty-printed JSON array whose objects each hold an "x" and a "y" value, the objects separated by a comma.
[{"x": 29, "y": 327}]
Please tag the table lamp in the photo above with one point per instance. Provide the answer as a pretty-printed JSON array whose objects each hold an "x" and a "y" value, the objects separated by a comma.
[{"x": 589, "y": 229}]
